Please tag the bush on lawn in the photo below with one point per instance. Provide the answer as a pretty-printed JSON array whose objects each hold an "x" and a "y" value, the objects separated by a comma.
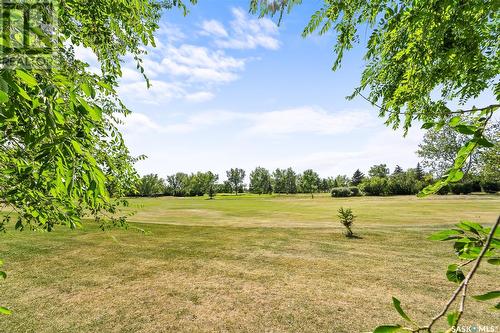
[{"x": 341, "y": 192}]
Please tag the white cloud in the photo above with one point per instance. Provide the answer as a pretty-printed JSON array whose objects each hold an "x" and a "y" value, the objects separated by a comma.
[
  {"x": 213, "y": 28},
  {"x": 137, "y": 122},
  {"x": 284, "y": 122},
  {"x": 86, "y": 54},
  {"x": 200, "y": 96},
  {"x": 169, "y": 32},
  {"x": 184, "y": 72},
  {"x": 246, "y": 32},
  {"x": 181, "y": 70},
  {"x": 198, "y": 63},
  {"x": 160, "y": 92},
  {"x": 308, "y": 120}
]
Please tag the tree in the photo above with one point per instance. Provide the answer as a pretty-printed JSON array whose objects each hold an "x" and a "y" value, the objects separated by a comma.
[
  {"x": 342, "y": 181},
  {"x": 440, "y": 147},
  {"x": 419, "y": 173},
  {"x": 225, "y": 187},
  {"x": 290, "y": 181},
  {"x": 324, "y": 185},
  {"x": 235, "y": 177},
  {"x": 151, "y": 185},
  {"x": 284, "y": 181},
  {"x": 375, "y": 186},
  {"x": 347, "y": 218},
  {"x": 379, "y": 170},
  {"x": 309, "y": 182},
  {"x": 404, "y": 183},
  {"x": 178, "y": 183},
  {"x": 196, "y": 184},
  {"x": 60, "y": 149},
  {"x": 260, "y": 181},
  {"x": 357, "y": 178},
  {"x": 397, "y": 170},
  {"x": 490, "y": 162},
  {"x": 279, "y": 181},
  {"x": 210, "y": 184}
]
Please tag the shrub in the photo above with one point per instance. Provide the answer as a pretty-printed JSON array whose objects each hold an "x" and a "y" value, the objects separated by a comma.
[
  {"x": 341, "y": 192},
  {"x": 476, "y": 185},
  {"x": 375, "y": 186},
  {"x": 490, "y": 186},
  {"x": 355, "y": 191},
  {"x": 444, "y": 190},
  {"x": 467, "y": 187},
  {"x": 462, "y": 188},
  {"x": 346, "y": 219}
]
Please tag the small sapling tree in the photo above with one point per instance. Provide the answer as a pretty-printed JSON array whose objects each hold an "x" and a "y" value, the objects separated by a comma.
[{"x": 347, "y": 217}]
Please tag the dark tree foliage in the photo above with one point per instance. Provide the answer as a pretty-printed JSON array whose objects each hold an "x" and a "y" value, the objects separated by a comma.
[
  {"x": 419, "y": 172},
  {"x": 397, "y": 170},
  {"x": 357, "y": 177}
]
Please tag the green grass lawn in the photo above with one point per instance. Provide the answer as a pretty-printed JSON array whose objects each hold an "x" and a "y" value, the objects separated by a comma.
[{"x": 245, "y": 264}]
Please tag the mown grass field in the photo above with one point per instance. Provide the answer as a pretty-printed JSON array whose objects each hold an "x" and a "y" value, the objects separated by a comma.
[{"x": 245, "y": 264}]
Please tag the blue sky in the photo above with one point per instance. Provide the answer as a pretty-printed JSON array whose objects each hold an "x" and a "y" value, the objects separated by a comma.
[{"x": 230, "y": 90}]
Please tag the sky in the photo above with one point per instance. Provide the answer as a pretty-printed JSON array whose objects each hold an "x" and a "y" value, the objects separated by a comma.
[{"x": 231, "y": 90}]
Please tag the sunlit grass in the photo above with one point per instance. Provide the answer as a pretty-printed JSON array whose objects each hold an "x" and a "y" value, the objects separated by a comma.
[{"x": 246, "y": 264}]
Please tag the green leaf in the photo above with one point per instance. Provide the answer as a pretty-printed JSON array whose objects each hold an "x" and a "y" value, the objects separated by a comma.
[
  {"x": 94, "y": 112},
  {"x": 484, "y": 142},
  {"x": 431, "y": 189},
  {"x": 445, "y": 235},
  {"x": 455, "y": 175},
  {"x": 88, "y": 90},
  {"x": 428, "y": 125},
  {"x": 452, "y": 318},
  {"x": 5, "y": 311},
  {"x": 472, "y": 227},
  {"x": 397, "y": 305},
  {"x": 465, "y": 129},
  {"x": 388, "y": 329},
  {"x": 105, "y": 85},
  {"x": 3, "y": 275},
  {"x": 3, "y": 97},
  {"x": 22, "y": 92},
  {"x": 455, "y": 121},
  {"x": 77, "y": 147},
  {"x": 26, "y": 78},
  {"x": 471, "y": 252},
  {"x": 487, "y": 296},
  {"x": 59, "y": 117},
  {"x": 455, "y": 274}
]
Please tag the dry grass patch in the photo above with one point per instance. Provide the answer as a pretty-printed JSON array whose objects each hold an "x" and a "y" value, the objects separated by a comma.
[{"x": 292, "y": 275}]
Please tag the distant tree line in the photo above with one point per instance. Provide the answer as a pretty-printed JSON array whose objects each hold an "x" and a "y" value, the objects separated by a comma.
[{"x": 379, "y": 181}]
